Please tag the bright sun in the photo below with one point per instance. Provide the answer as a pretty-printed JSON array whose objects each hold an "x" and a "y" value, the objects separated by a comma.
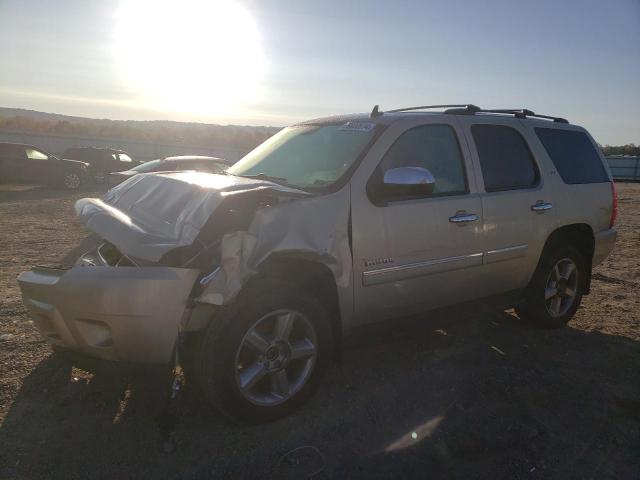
[{"x": 195, "y": 56}]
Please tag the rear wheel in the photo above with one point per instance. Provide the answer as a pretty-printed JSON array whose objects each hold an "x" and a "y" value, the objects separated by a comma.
[
  {"x": 555, "y": 291},
  {"x": 263, "y": 359},
  {"x": 71, "y": 181}
]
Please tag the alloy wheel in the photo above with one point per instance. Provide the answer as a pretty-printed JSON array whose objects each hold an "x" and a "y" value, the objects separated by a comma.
[
  {"x": 561, "y": 287},
  {"x": 72, "y": 181},
  {"x": 276, "y": 357}
]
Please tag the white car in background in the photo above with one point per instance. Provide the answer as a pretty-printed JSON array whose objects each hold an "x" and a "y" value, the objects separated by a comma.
[{"x": 198, "y": 163}]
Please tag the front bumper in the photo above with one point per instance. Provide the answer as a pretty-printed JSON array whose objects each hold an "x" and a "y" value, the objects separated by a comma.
[
  {"x": 605, "y": 240},
  {"x": 124, "y": 314}
]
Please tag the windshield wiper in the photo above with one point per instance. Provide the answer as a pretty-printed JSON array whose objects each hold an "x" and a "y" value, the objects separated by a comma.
[{"x": 264, "y": 176}]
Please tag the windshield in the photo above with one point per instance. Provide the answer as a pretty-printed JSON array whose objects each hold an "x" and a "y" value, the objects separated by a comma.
[
  {"x": 147, "y": 166},
  {"x": 307, "y": 155}
]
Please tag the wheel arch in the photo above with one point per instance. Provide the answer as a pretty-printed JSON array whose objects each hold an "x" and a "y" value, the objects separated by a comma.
[{"x": 310, "y": 274}]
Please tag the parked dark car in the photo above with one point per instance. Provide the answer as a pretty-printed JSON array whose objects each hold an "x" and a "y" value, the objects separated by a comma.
[
  {"x": 173, "y": 164},
  {"x": 102, "y": 161},
  {"x": 29, "y": 164}
]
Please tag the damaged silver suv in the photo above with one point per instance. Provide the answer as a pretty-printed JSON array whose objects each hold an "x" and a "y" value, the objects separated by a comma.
[{"x": 250, "y": 279}]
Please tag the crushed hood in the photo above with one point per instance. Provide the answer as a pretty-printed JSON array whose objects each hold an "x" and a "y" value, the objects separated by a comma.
[{"x": 148, "y": 215}]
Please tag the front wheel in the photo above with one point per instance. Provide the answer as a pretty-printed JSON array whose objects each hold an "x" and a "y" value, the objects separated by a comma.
[
  {"x": 263, "y": 359},
  {"x": 555, "y": 291}
]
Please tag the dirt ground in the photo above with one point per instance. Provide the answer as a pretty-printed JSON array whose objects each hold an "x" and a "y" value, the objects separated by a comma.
[{"x": 471, "y": 393}]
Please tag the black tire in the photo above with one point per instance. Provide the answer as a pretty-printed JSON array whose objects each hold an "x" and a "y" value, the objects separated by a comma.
[
  {"x": 212, "y": 357},
  {"x": 536, "y": 307}
]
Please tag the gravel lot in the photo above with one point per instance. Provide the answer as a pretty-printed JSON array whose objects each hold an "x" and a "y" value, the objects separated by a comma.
[{"x": 472, "y": 393}]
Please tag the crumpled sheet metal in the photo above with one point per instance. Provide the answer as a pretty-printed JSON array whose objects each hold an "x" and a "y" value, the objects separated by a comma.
[
  {"x": 315, "y": 228},
  {"x": 150, "y": 214}
]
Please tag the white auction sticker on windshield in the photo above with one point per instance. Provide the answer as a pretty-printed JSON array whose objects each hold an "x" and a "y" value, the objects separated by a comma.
[{"x": 358, "y": 126}]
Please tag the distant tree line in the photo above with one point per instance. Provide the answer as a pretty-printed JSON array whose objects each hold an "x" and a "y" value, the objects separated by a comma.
[
  {"x": 235, "y": 136},
  {"x": 628, "y": 149}
]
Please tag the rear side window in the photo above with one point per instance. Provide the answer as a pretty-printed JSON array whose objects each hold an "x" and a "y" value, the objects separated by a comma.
[
  {"x": 12, "y": 150},
  {"x": 573, "y": 155},
  {"x": 505, "y": 158}
]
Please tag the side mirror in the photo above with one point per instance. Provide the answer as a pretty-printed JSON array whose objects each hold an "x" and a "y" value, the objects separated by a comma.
[{"x": 408, "y": 182}]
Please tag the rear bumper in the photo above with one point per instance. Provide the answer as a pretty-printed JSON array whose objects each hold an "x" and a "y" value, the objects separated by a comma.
[
  {"x": 605, "y": 240},
  {"x": 123, "y": 314}
]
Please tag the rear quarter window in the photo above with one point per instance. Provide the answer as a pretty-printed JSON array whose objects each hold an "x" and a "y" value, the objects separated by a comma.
[
  {"x": 505, "y": 158},
  {"x": 573, "y": 155}
]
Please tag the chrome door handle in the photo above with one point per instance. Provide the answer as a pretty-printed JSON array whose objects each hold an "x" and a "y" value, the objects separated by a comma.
[
  {"x": 541, "y": 207},
  {"x": 462, "y": 218}
]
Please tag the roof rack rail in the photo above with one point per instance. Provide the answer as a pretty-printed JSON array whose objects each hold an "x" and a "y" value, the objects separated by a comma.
[
  {"x": 524, "y": 113},
  {"x": 427, "y": 107},
  {"x": 471, "y": 109}
]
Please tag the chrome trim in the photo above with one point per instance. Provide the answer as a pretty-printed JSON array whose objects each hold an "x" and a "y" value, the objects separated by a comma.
[
  {"x": 541, "y": 207},
  {"x": 102, "y": 259},
  {"x": 507, "y": 253},
  {"x": 373, "y": 274},
  {"x": 207, "y": 278},
  {"x": 507, "y": 249},
  {"x": 464, "y": 218},
  {"x": 408, "y": 176}
]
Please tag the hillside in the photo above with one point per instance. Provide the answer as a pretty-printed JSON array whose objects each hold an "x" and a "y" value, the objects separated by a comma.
[{"x": 235, "y": 136}]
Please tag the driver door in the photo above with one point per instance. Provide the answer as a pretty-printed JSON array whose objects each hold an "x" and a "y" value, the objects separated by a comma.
[
  {"x": 414, "y": 253},
  {"x": 38, "y": 166}
]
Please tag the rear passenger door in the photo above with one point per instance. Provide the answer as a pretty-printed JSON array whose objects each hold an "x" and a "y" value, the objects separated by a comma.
[
  {"x": 517, "y": 203},
  {"x": 12, "y": 162}
]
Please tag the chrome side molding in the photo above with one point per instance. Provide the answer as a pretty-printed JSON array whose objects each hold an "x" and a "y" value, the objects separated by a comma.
[{"x": 418, "y": 269}]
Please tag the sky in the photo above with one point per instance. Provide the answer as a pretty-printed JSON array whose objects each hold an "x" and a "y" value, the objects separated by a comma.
[{"x": 276, "y": 62}]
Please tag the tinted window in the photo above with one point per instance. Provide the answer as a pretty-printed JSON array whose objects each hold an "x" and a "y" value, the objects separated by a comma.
[
  {"x": 505, "y": 158},
  {"x": 573, "y": 155},
  {"x": 434, "y": 147},
  {"x": 167, "y": 166},
  {"x": 184, "y": 165},
  {"x": 148, "y": 166},
  {"x": 212, "y": 167},
  {"x": 12, "y": 150}
]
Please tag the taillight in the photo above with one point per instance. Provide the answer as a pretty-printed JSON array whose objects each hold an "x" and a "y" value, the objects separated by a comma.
[{"x": 614, "y": 206}]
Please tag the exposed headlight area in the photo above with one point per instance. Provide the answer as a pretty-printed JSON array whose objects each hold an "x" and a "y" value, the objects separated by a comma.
[
  {"x": 106, "y": 254},
  {"x": 110, "y": 255}
]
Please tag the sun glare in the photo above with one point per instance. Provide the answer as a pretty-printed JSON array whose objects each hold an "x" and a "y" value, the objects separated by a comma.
[{"x": 192, "y": 56}]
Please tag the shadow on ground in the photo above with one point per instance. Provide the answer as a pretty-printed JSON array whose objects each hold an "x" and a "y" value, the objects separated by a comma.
[{"x": 466, "y": 394}]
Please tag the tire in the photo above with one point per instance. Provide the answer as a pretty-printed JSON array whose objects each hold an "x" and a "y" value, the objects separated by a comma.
[
  {"x": 554, "y": 295},
  {"x": 71, "y": 180},
  {"x": 248, "y": 344}
]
